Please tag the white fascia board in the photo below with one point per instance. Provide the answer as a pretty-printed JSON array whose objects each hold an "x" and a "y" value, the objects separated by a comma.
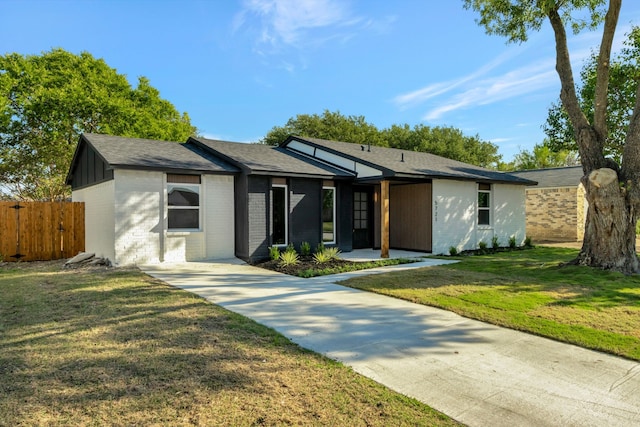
[{"x": 361, "y": 170}]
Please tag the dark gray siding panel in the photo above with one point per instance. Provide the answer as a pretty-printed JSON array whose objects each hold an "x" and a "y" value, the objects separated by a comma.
[
  {"x": 89, "y": 169},
  {"x": 344, "y": 216},
  {"x": 305, "y": 211},
  {"x": 258, "y": 216},
  {"x": 241, "y": 217}
]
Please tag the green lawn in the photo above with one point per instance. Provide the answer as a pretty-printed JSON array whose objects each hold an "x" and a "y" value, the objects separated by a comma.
[
  {"x": 116, "y": 347},
  {"x": 529, "y": 291}
]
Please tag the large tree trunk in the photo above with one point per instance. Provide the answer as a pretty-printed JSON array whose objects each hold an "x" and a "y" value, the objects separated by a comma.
[{"x": 610, "y": 235}]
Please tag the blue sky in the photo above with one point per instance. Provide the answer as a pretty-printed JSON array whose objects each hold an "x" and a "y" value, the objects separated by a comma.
[{"x": 241, "y": 67}]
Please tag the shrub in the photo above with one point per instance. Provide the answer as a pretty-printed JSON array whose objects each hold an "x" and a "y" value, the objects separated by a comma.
[
  {"x": 483, "y": 247},
  {"x": 326, "y": 255},
  {"x": 512, "y": 242},
  {"x": 453, "y": 251},
  {"x": 274, "y": 253},
  {"x": 320, "y": 247},
  {"x": 305, "y": 249},
  {"x": 333, "y": 252},
  {"x": 527, "y": 242},
  {"x": 288, "y": 258},
  {"x": 290, "y": 248},
  {"x": 321, "y": 257},
  {"x": 494, "y": 243}
]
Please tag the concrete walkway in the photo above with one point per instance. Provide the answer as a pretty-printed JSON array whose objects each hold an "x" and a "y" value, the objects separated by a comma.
[{"x": 478, "y": 374}]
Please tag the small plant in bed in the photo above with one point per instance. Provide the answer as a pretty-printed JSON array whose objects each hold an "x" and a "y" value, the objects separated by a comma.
[{"x": 324, "y": 262}]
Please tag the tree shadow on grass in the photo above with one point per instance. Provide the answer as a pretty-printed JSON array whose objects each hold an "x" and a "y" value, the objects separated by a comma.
[{"x": 82, "y": 345}]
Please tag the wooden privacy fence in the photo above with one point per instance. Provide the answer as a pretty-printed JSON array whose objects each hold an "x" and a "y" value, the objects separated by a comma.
[{"x": 41, "y": 231}]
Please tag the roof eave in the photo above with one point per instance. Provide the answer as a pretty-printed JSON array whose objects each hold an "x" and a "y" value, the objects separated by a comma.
[
  {"x": 241, "y": 166},
  {"x": 299, "y": 175},
  {"x": 385, "y": 171}
]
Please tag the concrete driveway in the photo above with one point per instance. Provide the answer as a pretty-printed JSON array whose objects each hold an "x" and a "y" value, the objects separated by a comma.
[{"x": 478, "y": 374}]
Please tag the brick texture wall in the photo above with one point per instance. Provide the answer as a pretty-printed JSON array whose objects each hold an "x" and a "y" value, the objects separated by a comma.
[{"x": 555, "y": 214}]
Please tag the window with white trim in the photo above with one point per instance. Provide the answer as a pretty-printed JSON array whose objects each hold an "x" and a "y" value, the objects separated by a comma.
[
  {"x": 484, "y": 204},
  {"x": 279, "y": 214},
  {"x": 183, "y": 202},
  {"x": 328, "y": 214}
]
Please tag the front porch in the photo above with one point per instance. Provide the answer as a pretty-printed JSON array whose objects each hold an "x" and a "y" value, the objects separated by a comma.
[{"x": 392, "y": 214}]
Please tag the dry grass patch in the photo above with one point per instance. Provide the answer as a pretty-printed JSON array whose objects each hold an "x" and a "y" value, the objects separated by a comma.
[
  {"x": 529, "y": 291},
  {"x": 116, "y": 347}
]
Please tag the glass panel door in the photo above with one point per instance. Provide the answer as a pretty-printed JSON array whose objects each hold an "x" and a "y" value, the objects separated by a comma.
[{"x": 361, "y": 219}]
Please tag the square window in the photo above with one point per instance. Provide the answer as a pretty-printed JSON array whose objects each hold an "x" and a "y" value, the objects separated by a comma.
[
  {"x": 184, "y": 219},
  {"x": 183, "y": 203}
]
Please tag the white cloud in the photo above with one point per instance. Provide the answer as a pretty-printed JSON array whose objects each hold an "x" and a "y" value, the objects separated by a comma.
[
  {"x": 418, "y": 96},
  {"x": 480, "y": 87},
  {"x": 288, "y": 22},
  {"x": 521, "y": 81}
]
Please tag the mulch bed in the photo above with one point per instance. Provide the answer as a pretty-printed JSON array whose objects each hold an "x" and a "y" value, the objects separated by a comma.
[{"x": 305, "y": 263}]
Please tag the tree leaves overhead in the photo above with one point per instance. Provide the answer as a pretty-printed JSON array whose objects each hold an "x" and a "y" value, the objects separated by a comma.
[
  {"x": 48, "y": 100},
  {"x": 612, "y": 188},
  {"x": 442, "y": 141},
  {"x": 542, "y": 157},
  {"x": 515, "y": 19},
  {"x": 623, "y": 83}
]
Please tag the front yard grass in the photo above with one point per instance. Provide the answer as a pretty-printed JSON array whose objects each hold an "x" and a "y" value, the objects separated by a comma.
[
  {"x": 116, "y": 347},
  {"x": 528, "y": 291}
]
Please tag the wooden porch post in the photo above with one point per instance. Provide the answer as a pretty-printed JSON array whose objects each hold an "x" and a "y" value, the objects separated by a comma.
[{"x": 384, "y": 219}]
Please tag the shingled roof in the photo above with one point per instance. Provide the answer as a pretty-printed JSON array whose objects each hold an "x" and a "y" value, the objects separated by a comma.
[
  {"x": 268, "y": 160},
  {"x": 399, "y": 163},
  {"x": 553, "y": 177},
  {"x": 136, "y": 153}
]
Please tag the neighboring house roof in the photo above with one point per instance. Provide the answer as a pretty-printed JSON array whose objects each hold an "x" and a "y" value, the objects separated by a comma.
[
  {"x": 136, "y": 153},
  {"x": 553, "y": 177},
  {"x": 263, "y": 159},
  {"x": 398, "y": 163}
]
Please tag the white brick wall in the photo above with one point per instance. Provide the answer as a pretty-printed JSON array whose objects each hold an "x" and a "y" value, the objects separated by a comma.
[
  {"x": 99, "y": 222},
  {"x": 218, "y": 217},
  {"x": 509, "y": 213},
  {"x": 455, "y": 215},
  {"x": 126, "y": 220},
  {"x": 139, "y": 216}
]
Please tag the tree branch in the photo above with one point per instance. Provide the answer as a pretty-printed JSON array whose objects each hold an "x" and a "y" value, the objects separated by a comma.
[
  {"x": 590, "y": 145},
  {"x": 602, "y": 72}
]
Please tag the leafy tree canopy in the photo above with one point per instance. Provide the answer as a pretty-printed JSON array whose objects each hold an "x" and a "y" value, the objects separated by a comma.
[
  {"x": 541, "y": 157},
  {"x": 48, "y": 100},
  {"x": 443, "y": 141},
  {"x": 623, "y": 84},
  {"x": 612, "y": 187},
  {"x": 515, "y": 19}
]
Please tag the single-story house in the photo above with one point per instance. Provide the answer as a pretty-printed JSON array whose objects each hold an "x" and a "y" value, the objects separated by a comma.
[
  {"x": 556, "y": 206},
  {"x": 151, "y": 201}
]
